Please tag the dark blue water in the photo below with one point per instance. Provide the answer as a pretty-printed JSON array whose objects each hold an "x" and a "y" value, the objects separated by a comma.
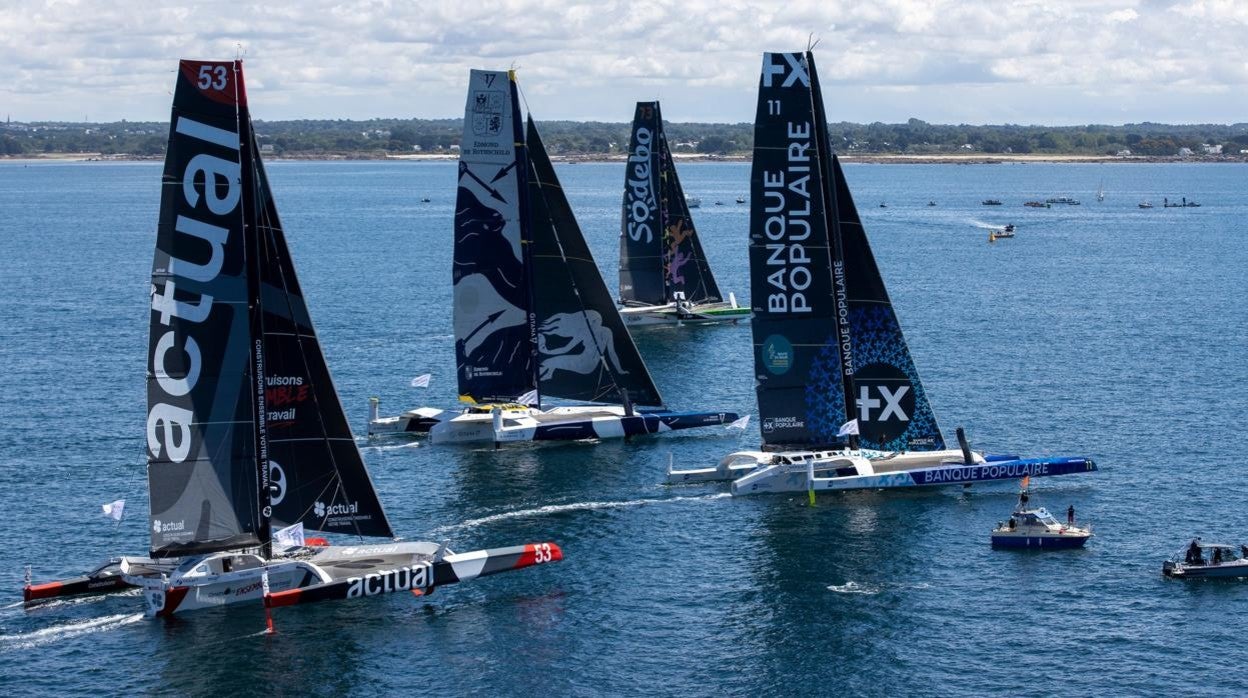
[{"x": 1102, "y": 329}]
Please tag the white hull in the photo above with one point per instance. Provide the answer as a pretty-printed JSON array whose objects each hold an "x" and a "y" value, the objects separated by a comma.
[
  {"x": 802, "y": 463},
  {"x": 684, "y": 313}
]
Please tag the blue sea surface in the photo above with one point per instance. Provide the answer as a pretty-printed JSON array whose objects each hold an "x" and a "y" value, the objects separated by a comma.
[{"x": 1102, "y": 329}]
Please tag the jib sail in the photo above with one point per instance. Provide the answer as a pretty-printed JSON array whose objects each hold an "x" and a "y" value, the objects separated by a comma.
[
  {"x": 685, "y": 268},
  {"x": 492, "y": 298},
  {"x": 584, "y": 350}
]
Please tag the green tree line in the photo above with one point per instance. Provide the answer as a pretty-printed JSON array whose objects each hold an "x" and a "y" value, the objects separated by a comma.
[{"x": 382, "y": 137}]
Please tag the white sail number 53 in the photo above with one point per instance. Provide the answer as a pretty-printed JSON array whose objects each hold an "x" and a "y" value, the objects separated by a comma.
[
  {"x": 541, "y": 553},
  {"x": 212, "y": 76}
]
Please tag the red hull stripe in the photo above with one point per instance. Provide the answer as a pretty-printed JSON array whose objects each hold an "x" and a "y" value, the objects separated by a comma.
[
  {"x": 290, "y": 597},
  {"x": 42, "y": 591},
  {"x": 173, "y": 599}
]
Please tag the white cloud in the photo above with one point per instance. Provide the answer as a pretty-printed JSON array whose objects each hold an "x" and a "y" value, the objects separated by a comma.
[{"x": 977, "y": 61}]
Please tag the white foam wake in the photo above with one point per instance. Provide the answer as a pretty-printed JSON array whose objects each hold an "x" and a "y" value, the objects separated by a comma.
[
  {"x": 393, "y": 447},
  {"x": 64, "y": 631},
  {"x": 575, "y": 506},
  {"x": 852, "y": 587}
]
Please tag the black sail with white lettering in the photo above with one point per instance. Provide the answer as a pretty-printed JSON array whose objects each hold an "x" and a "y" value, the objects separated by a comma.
[
  {"x": 797, "y": 358},
  {"x": 199, "y": 423},
  {"x": 641, "y": 228},
  {"x": 685, "y": 268},
  {"x": 317, "y": 476},
  {"x": 893, "y": 410},
  {"x": 494, "y": 351},
  {"x": 584, "y": 350}
]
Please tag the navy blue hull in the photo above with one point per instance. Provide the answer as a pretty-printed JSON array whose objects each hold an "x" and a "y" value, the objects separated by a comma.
[{"x": 1039, "y": 542}]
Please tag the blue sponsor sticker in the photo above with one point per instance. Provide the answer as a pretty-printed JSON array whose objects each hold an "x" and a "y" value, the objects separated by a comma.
[{"x": 777, "y": 354}]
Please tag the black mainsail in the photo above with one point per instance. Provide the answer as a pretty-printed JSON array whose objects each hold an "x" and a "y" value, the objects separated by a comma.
[
  {"x": 244, "y": 426},
  {"x": 825, "y": 334},
  {"x": 660, "y": 254},
  {"x": 585, "y": 351}
]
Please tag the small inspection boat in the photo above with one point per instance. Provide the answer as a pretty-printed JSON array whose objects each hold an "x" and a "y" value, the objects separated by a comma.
[
  {"x": 740, "y": 199},
  {"x": 1207, "y": 560},
  {"x": 1146, "y": 204},
  {"x": 1037, "y": 204},
  {"x": 1065, "y": 200},
  {"x": 991, "y": 202},
  {"x": 1035, "y": 528}
]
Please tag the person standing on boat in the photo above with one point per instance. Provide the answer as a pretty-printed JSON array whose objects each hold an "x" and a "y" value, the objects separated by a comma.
[
  {"x": 1193, "y": 554},
  {"x": 1070, "y": 515}
]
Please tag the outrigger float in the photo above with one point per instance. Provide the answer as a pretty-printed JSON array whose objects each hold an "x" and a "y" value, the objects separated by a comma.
[
  {"x": 245, "y": 431},
  {"x": 665, "y": 277},
  {"x": 841, "y": 406},
  {"x": 532, "y": 315}
]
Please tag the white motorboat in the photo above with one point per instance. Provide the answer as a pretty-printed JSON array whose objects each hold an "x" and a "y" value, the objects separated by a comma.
[{"x": 1200, "y": 560}]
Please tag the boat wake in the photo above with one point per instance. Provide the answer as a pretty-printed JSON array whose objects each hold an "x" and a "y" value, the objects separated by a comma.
[
  {"x": 66, "y": 602},
  {"x": 392, "y": 447},
  {"x": 986, "y": 226},
  {"x": 852, "y": 587},
  {"x": 575, "y": 506},
  {"x": 65, "y": 631}
]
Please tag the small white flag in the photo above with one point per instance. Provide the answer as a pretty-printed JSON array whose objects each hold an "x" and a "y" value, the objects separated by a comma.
[
  {"x": 848, "y": 428},
  {"x": 422, "y": 381},
  {"x": 529, "y": 398},
  {"x": 291, "y": 536},
  {"x": 740, "y": 423},
  {"x": 114, "y": 510}
]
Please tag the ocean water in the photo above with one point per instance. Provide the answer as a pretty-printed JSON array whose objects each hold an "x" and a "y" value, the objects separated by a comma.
[{"x": 1102, "y": 329}]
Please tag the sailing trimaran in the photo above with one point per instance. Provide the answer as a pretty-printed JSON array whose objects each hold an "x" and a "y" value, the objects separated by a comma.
[
  {"x": 839, "y": 398},
  {"x": 532, "y": 316},
  {"x": 664, "y": 274},
  {"x": 245, "y": 432}
]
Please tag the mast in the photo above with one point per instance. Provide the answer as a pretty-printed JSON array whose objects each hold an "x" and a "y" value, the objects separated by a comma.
[{"x": 253, "y": 253}]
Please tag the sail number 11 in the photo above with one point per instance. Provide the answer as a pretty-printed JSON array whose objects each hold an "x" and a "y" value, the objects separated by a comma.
[
  {"x": 773, "y": 107},
  {"x": 212, "y": 76}
]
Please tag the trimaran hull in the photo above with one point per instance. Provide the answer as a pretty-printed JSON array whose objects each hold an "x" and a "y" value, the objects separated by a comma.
[
  {"x": 672, "y": 314},
  {"x": 304, "y": 575},
  {"x": 520, "y": 424}
]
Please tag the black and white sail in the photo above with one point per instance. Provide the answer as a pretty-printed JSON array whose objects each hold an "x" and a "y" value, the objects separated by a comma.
[
  {"x": 661, "y": 258},
  {"x": 828, "y": 347},
  {"x": 244, "y": 429},
  {"x": 585, "y": 351},
  {"x": 493, "y": 318}
]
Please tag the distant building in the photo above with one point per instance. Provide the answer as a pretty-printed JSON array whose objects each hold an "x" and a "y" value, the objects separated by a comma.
[
  {"x": 266, "y": 148},
  {"x": 1185, "y": 152},
  {"x": 1124, "y": 153},
  {"x": 1211, "y": 149},
  {"x": 967, "y": 146}
]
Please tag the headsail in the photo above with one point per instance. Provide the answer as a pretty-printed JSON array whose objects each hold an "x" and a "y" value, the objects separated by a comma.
[
  {"x": 685, "y": 268},
  {"x": 893, "y": 411},
  {"x": 660, "y": 255},
  {"x": 244, "y": 424},
  {"x": 797, "y": 358},
  {"x": 317, "y": 476},
  {"x": 641, "y": 225},
  {"x": 584, "y": 350},
  {"x": 492, "y": 296}
]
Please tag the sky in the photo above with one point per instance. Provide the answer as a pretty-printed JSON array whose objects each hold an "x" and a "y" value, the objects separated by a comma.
[{"x": 1052, "y": 62}]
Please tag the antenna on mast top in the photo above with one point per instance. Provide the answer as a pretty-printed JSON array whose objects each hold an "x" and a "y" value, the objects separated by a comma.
[
  {"x": 811, "y": 42},
  {"x": 239, "y": 51}
]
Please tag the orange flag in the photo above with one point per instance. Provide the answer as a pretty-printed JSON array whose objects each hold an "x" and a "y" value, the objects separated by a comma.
[{"x": 1026, "y": 481}]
